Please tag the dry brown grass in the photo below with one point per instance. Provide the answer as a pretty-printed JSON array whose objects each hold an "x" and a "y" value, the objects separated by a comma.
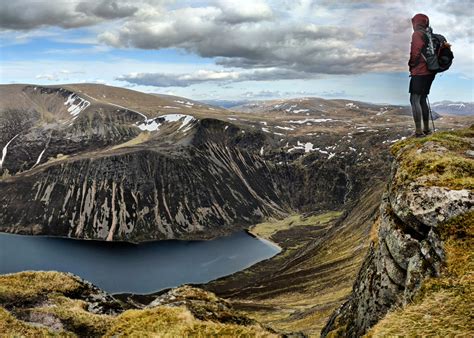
[{"x": 165, "y": 321}]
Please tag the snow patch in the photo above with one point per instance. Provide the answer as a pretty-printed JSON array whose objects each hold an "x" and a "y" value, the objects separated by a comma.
[
  {"x": 76, "y": 104},
  {"x": 297, "y": 111},
  {"x": 284, "y": 128},
  {"x": 153, "y": 125},
  {"x": 4, "y": 151},
  {"x": 39, "y": 158},
  {"x": 149, "y": 125},
  {"x": 351, "y": 105}
]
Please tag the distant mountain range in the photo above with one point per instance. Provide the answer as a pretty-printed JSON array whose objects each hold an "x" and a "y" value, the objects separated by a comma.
[
  {"x": 441, "y": 107},
  {"x": 453, "y": 108},
  {"x": 225, "y": 103}
]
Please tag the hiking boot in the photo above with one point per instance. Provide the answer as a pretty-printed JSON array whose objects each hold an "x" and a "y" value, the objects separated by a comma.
[
  {"x": 427, "y": 132},
  {"x": 418, "y": 135}
]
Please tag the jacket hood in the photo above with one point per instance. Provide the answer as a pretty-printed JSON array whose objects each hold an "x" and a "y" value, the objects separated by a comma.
[{"x": 420, "y": 21}]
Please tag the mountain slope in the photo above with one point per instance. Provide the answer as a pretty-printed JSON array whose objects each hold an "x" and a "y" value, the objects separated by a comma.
[
  {"x": 454, "y": 108},
  {"x": 98, "y": 162},
  {"x": 88, "y": 169}
]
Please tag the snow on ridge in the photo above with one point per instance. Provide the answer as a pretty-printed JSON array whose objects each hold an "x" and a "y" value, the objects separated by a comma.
[
  {"x": 352, "y": 105},
  {"x": 297, "y": 111},
  {"x": 153, "y": 125},
  {"x": 75, "y": 108},
  {"x": 459, "y": 105},
  {"x": 149, "y": 125}
]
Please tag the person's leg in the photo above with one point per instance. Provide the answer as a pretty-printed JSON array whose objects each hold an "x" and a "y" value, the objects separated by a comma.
[
  {"x": 415, "y": 100},
  {"x": 426, "y": 114}
]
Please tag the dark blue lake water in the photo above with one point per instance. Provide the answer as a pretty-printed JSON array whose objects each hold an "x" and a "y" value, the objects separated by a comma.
[{"x": 142, "y": 268}]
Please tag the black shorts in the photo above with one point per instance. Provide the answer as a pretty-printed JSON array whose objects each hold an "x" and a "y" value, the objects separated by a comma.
[{"x": 421, "y": 84}]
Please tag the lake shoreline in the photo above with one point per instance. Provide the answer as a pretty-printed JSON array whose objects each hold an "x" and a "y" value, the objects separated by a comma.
[{"x": 201, "y": 261}]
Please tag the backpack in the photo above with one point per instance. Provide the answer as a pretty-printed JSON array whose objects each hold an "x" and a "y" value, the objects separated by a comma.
[{"x": 437, "y": 52}]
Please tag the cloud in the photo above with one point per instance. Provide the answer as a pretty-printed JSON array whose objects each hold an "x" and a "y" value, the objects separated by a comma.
[
  {"x": 61, "y": 75},
  {"x": 201, "y": 76},
  {"x": 246, "y": 11},
  {"x": 300, "y": 47},
  {"x": 256, "y": 40},
  {"x": 27, "y": 15}
]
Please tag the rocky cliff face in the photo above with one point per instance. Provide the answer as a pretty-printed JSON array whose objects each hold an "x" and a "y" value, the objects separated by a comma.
[
  {"x": 75, "y": 166},
  {"x": 431, "y": 184},
  {"x": 77, "y": 163}
]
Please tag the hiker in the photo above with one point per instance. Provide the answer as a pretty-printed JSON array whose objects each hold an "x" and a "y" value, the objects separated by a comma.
[{"x": 421, "y": 76}]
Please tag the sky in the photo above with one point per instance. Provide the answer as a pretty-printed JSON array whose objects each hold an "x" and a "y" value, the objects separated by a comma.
[{"x": 234, "y": 50}]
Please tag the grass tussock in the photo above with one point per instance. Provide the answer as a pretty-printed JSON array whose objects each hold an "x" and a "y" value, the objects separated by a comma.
[
  {"x": 29, "y": 285},
  {"x": 374, "y": 231},
  {"x": 439, "y": 159},
  {"x": 12, "y": 327},
  {"x": 457, "y": 140},
  {"x": 166, "y": 321},
  {"x": 269, "y": 228},
  {"x": 444, "y": 305},
  {"x": 73, "y": 313}
]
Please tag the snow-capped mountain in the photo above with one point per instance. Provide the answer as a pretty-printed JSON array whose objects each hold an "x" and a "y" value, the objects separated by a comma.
[{"x": 453, "y": 108}]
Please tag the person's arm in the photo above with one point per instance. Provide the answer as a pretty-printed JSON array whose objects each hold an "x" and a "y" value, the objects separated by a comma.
[{"x": 417, "y": 44}]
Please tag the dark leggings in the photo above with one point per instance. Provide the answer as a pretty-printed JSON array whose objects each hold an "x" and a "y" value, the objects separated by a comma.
[{"x": 420, "y": 111}]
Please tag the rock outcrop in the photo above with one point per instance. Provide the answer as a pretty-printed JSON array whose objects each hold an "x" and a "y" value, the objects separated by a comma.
[
  {"x": 431, "y": 184},
  {"x": 40, "y": 303}
]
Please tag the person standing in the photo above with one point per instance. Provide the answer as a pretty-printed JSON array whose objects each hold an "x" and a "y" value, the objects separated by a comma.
[{"x": 421, "y": 76}]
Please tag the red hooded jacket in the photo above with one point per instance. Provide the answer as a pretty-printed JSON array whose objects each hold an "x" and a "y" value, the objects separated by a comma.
[{"x": 417, "y": 63}]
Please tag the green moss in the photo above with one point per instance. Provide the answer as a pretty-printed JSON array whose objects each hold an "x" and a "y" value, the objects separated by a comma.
[{"x": 269, "y": 228}]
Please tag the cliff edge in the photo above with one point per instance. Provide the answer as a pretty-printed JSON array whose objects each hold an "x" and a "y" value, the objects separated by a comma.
[{"x": 417, "y": 277}]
